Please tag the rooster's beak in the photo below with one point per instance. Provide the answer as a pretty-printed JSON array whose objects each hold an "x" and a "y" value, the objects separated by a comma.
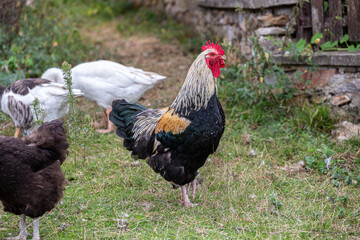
[{"x": 222, "y": 61}]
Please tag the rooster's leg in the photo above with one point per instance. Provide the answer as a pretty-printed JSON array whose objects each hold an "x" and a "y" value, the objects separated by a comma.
[
  {"x": 17, "y": 133},
  {"x": 186, "y": 200},
  {"x": 102, "y": 123},
  {"x": 23, "y": 233},
  {"x": 36, "y": 234},
  {"x": 193, "y": 185},
  {"x": 111, "y": 126}
]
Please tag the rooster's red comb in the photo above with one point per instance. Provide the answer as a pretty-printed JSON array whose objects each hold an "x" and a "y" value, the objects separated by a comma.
[{"x": 215, "y": 46}]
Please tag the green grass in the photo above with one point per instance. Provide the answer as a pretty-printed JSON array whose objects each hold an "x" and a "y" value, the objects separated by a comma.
[{"x": 111, "y": 196}]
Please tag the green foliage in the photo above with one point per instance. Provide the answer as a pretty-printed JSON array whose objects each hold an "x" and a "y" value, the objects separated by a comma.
[
  {"x": 315, "y": 37},
  {"x": 314, "y": 118},
  {"x": 300, "y": 45},
  {"x": 44, "y": 39},
  {"x": 78, "y": 123},
  {"x": 73, "y": 119},
  {"x": 315, "y": 163},
  {"x": 326, "y": 6},
  {"x": 345, "y": 38},
  {"x": 299, "y": 50},
  {"x": 6, "y": 78},
  {"x": 329, "y": 45},
  {"x": 252, "y": 103},
  {"x": 255, "y": 80},
  {"x": 66, "y": 68},
  {"x": 335, "y": 45},
  {"x": 274, "y": 201},
  {"x": 39, "y": 112},
  {"x": 235, "y": 90}
]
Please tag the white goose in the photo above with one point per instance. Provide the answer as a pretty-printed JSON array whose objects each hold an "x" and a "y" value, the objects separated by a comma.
[
  {"x": 104, "y": 81},
  {"x": 17, "y": 101}
]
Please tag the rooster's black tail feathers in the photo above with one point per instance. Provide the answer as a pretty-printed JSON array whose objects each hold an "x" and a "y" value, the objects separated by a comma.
[{"x": 123, "y": 115}]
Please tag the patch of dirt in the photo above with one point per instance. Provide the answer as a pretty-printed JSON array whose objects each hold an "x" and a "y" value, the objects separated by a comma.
[
  {"x": 148, "y": 53},
  {"x": 294, "y": 168}
]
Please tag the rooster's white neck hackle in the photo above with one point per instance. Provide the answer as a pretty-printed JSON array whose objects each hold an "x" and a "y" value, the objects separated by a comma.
[{"x": 198, "y": 88}]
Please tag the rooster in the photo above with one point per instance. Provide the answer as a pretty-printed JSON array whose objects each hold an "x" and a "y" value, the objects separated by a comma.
[
  {"x": 177, "y": 140},
  {"x": 31, "y": 179}
]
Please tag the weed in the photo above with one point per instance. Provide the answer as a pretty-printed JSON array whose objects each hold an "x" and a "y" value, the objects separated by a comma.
[
  {"x": 26, "y": 51},
  {"x": 335, "y": 45},
  {"x": 313, "y": 162},
  {"x": 316, "y": 117},
  {"x": 274, "y": 201},
  {"x": 256, "y": 80},
  {"x": 39, "y": 112},
  {"x": 78, "y": 124},
  {"x": 73, "y": 120}
]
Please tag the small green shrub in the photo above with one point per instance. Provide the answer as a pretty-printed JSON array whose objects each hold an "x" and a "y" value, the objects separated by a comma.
[
  {"x": 42, "y": 40},
  {"x": 258, "y": 78},
  {"x": 39, "y": 112},
  {"x": 314, "y": 118},
  {"x": 79, "y": 129}
]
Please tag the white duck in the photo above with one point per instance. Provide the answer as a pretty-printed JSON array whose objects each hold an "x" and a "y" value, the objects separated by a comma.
[
  {"x": 17, "y": 101},
  {"x": 104, "y": 81}
]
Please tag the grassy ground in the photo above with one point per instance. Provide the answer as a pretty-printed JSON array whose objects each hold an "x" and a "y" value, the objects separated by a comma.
[
  {"x": 268, "y": 195},
  {"x": 266, "y": 181}
]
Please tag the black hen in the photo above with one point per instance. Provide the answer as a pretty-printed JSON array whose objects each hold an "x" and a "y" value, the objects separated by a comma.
[
  {"x": 176, "y": 141},
  {"x": 31, "y": 179}
]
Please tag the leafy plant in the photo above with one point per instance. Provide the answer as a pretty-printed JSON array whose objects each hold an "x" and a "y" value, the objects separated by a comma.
[
  {"x": 326, "y": 6},
  {"x": 314, "y": 118},
  {"x": 316, "y": 38},
  {"x": 274, "y": 201},
  {"x": 316, "y": 163},
  {"x": 258, "y": 78},
  {"x": 335, "y": 45},
  {"x": 79, "y": 125},
  {"x": 39, "y": 112},
  {"x": 41, "y": 40},
  {"x": 73, "y": 120}
]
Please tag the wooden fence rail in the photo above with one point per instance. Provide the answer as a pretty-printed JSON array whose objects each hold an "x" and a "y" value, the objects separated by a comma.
[{"x": 340, "y": 17}]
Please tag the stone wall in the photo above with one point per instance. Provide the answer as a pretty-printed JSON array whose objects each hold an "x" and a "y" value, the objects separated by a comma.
[
  {"x": 335, "y": 82},
  {"x": 231, "y": 20}
]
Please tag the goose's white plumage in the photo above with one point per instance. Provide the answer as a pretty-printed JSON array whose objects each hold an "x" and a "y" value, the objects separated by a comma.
[
  {"x": 17, "y": 101},
  {"x": 105, "y": 81}
]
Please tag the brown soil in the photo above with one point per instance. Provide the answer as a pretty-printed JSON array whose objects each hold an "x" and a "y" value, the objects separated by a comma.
[{"x": 147, "y": 53}]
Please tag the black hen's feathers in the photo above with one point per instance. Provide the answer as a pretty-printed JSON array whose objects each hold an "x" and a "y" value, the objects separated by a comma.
[{"x": 31, "y": 180}]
